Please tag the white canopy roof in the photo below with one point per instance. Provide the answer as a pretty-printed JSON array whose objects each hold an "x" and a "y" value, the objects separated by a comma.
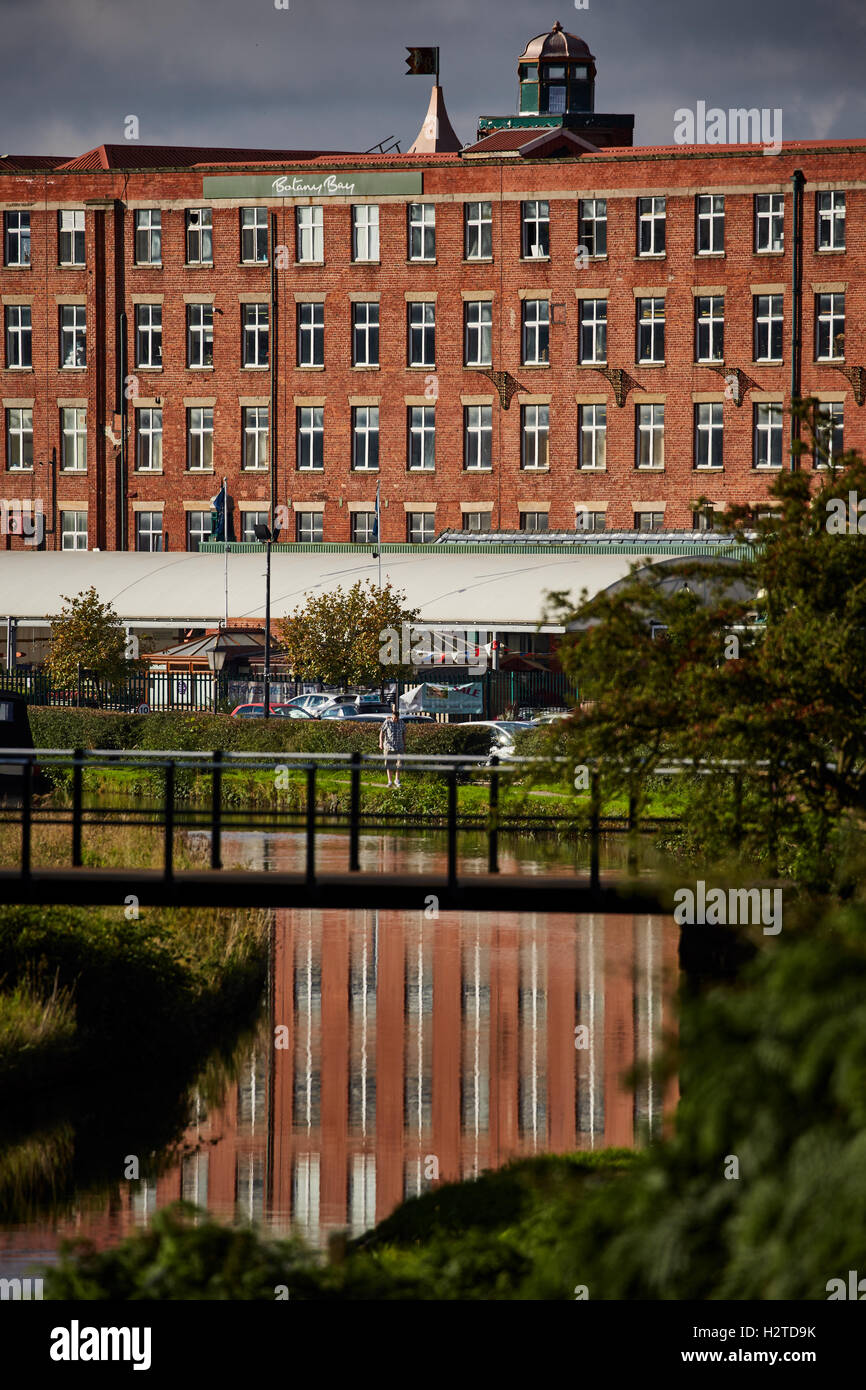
[{"x": 489, "y": 590}]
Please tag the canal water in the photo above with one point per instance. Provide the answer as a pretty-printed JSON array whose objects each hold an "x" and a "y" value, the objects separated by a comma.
[{"x": 394, "y": 1051}]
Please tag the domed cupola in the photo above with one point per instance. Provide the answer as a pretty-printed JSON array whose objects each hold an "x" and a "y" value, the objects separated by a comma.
[{"x": 557, "y": 75}]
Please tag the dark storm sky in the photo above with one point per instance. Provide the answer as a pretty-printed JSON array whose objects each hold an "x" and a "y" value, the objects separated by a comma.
[{"x": 330, "y": 73}]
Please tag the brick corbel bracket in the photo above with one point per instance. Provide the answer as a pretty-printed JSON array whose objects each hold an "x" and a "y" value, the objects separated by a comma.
[
  {"x": 620, "y": 380},
  {"x": 505, "y": 385},
  {"x": 744, "y": 383},
  {"x": 856, "y": 376}
]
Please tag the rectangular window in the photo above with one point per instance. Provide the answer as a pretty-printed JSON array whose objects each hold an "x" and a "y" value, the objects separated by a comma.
[
  {"x": 73, "y": 439},
  {"x": 650, "y": 436},
  {"x": 148, "y": 531},
  {"x": 254, "y": 335},
  {"x": 651, "y": 216},
  {"x": 365, "y": 334},
  {"x": 199, "y": 439},
  {"x": 249, "y": 522},
  {"x": 70, "y": 238},
  {"x": 477, "y": 437},
  {"x": 309, "y": 527},
  {"x": 420, "y": 527},
  {"x": 649, "y": 521},
  {"x": 148, "y": 335},
  {"x": 592, "y": 436},
  {"x": 73, "y": 530},
  {"x": 311, "y": 437},
  {"x": 199, "y": 335},
  {"x": 148, "y": 236},
  {"x": 197, "y": 529},
  {"x": 534, "y": 521},
  {"x": 534, "y": 436},
  {"x": 478, "y": 231},
  {"x": 585, "y": 520},
  {"x": 829, "y": 327},
  {"x": 592, "y": 225},
  {"x": 365, "y": 232},
  {"x": 148, "y": 439},
  {"x": 311, "y": 335},
  {"x": 829, "y": 433},
  {"x": 365, "y": 437},
  {"x": 709, "y": 434},
  {"x": 422, "y": 437},
  {"x": 310, "y": 234},
  {"x": 478, "y": 333},
  {"x": 255, "y": 431},
  {"x": 19, "y": 335},
  {"x": 704, "y": 520},
  {"x": 199, "y": 236},
  {"x": 422, "y": 335},
  {"x": 709, "y": 224},
  {"x": 363, "y": 527},
  {"x": 769, "y": 324},
  {"x": 254, "y": 235},
  {"x": 476, "y": 521},
  {"x": 19, "y": 438},
  {"x": 536, "y": 332},
  {"x": 767, "y": 443},
  {"x": 16, "y": 238},
  {"x": 73, "y": 335},
  {"x": 710, "y": 328},
  {"x": 592, "y": 343},
  {"x": 769, "y": 221},
  {"x": 535, "y": 230},
  {"x": 650, "y": 330},
  {"x": 422, "y": 231},
  {"x": 830, "y": 217}
]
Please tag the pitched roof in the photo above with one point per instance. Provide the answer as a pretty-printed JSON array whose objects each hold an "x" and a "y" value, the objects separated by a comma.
[
  {"x": 135, "y": 156},
  {"x": 20, "y": 163}
]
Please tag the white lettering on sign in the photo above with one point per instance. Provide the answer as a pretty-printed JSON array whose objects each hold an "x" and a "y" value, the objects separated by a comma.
[{"x": 294, "y": 186}]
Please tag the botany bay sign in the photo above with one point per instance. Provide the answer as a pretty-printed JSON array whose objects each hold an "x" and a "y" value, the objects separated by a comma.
[{"x": 313, "y": 183}]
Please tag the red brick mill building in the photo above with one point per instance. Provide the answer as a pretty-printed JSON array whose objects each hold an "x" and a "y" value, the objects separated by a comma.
[{"x": 544, "y": 330}]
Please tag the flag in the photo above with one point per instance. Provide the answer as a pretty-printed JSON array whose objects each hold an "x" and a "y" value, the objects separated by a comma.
[
  {"x": 376, "y": 517},
  {"x": 421, "y": 61}
]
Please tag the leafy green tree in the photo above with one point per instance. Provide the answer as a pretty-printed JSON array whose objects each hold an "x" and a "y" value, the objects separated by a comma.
[
  {"x": 337, "y": 637},
  {"x": 88, "y": 633},
  {"x": 758, "y": 660}
]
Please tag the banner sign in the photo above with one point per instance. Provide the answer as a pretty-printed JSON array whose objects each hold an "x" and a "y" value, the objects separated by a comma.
[
  {"x": 313, "y": 183},
  {"x": 444, "y": 699}
]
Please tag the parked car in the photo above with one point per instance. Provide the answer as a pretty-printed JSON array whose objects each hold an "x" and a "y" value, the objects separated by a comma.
[
  {"x": 339, "y": 712},
  {"x": 503, "y": 733},
  {"x": 313, "y": 701},
  {"x": 281, "y": 711},
  {"x": 15, "y": 733}
]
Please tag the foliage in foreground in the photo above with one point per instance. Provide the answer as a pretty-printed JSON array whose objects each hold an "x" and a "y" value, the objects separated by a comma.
[{"x": 771, "y": 1075}]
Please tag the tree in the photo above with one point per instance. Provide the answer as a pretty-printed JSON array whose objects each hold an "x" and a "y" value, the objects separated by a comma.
[
  {"x": 346, "y": 637},
  {"x": 759, "y": 660},
  {"x": 88, "y": 633}
]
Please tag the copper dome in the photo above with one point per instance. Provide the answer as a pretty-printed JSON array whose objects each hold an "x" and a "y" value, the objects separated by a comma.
[{"x": 556, "y": 45}]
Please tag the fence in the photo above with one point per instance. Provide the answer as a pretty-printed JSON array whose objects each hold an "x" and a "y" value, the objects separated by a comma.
[{"x": 506, "y": 694}]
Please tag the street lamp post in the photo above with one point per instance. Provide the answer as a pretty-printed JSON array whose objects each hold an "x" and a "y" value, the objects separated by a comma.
[
  {"x": 216, "y": 660},
  {"x": 264, "y": 534}
]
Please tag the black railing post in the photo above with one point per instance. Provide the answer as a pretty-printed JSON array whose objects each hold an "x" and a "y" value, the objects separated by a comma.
[
  {"x": 354, "y": 813},
  {"x": 493, "y": 819},
  {"x": 216, "y": 861},
  {"x": 77, "y": 776},
  {"x": 452, "y": 827},
  {"x": 311, "y": 823},
  {"x": 26, "y": 809},
  {"x": 594, "y": 829},
  {"x": 169, "y": 819}
]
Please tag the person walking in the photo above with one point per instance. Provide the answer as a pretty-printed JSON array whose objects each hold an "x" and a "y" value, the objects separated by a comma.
[{"x": 392, "y": 741}]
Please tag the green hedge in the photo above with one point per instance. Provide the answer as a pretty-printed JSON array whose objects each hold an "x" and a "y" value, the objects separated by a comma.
[{"x": 83, "y": 728}]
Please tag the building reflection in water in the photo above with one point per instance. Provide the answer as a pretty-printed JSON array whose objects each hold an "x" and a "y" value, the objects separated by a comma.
[{"x": 411, "y": 1050}]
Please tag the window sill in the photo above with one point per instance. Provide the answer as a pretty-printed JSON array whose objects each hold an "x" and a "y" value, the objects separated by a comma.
[
  {"x": 478, "y": 260},
  {"x": 535, "y": 470},
  {"x": 756, "y": 252},
  {"x": 421, "y": 260},
  {"x": 709, "y": 255},
  {"x": 488, "y": 469},
  {"x": 73, "y": 472},
  {"x": 535, "y": 366},
  {"x": 708, "y": 468},
  {"x": 15, "y": 472},
  {"x": 653, "y": 363},
  {"x": 198, "y": 472},
  {"x": 363, "y": 470},
  {"x": 535, "y": 260},
  {"x": 147, "y": 472},
  {"x": 247, "y": 265},
  {"x": 593, "y": 366},
  {"x": 766, "y": 467},
  {"x": 360, "y": 262},
  {"x": 71, "y": 265},
  {"x": 25, "y": 370},
  {"x": 591, "y": 468},
  {"x": 649, "y": 468},
  {"x": 420, "y": 367},
  {"x": 297, "y": 470},
  {"x": 308, "y": 367},
  {"x": 829, "y": 361},
  {"x": 768, "y": 362},
  {"x": 830, "y": 250},
  {"x": 248, "y": 367},
  {"x": 140, "y": 367},
  {"x": 71, "y": 369},
  {"x": 299, "y": 265},
  {"x": 360, "y": 367},
  {"x": 17, "y": 267},
  {"x": 147, "y": 265},
  {"x": 651, "y": 256},
  {"x": 709, "y": 361}
]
